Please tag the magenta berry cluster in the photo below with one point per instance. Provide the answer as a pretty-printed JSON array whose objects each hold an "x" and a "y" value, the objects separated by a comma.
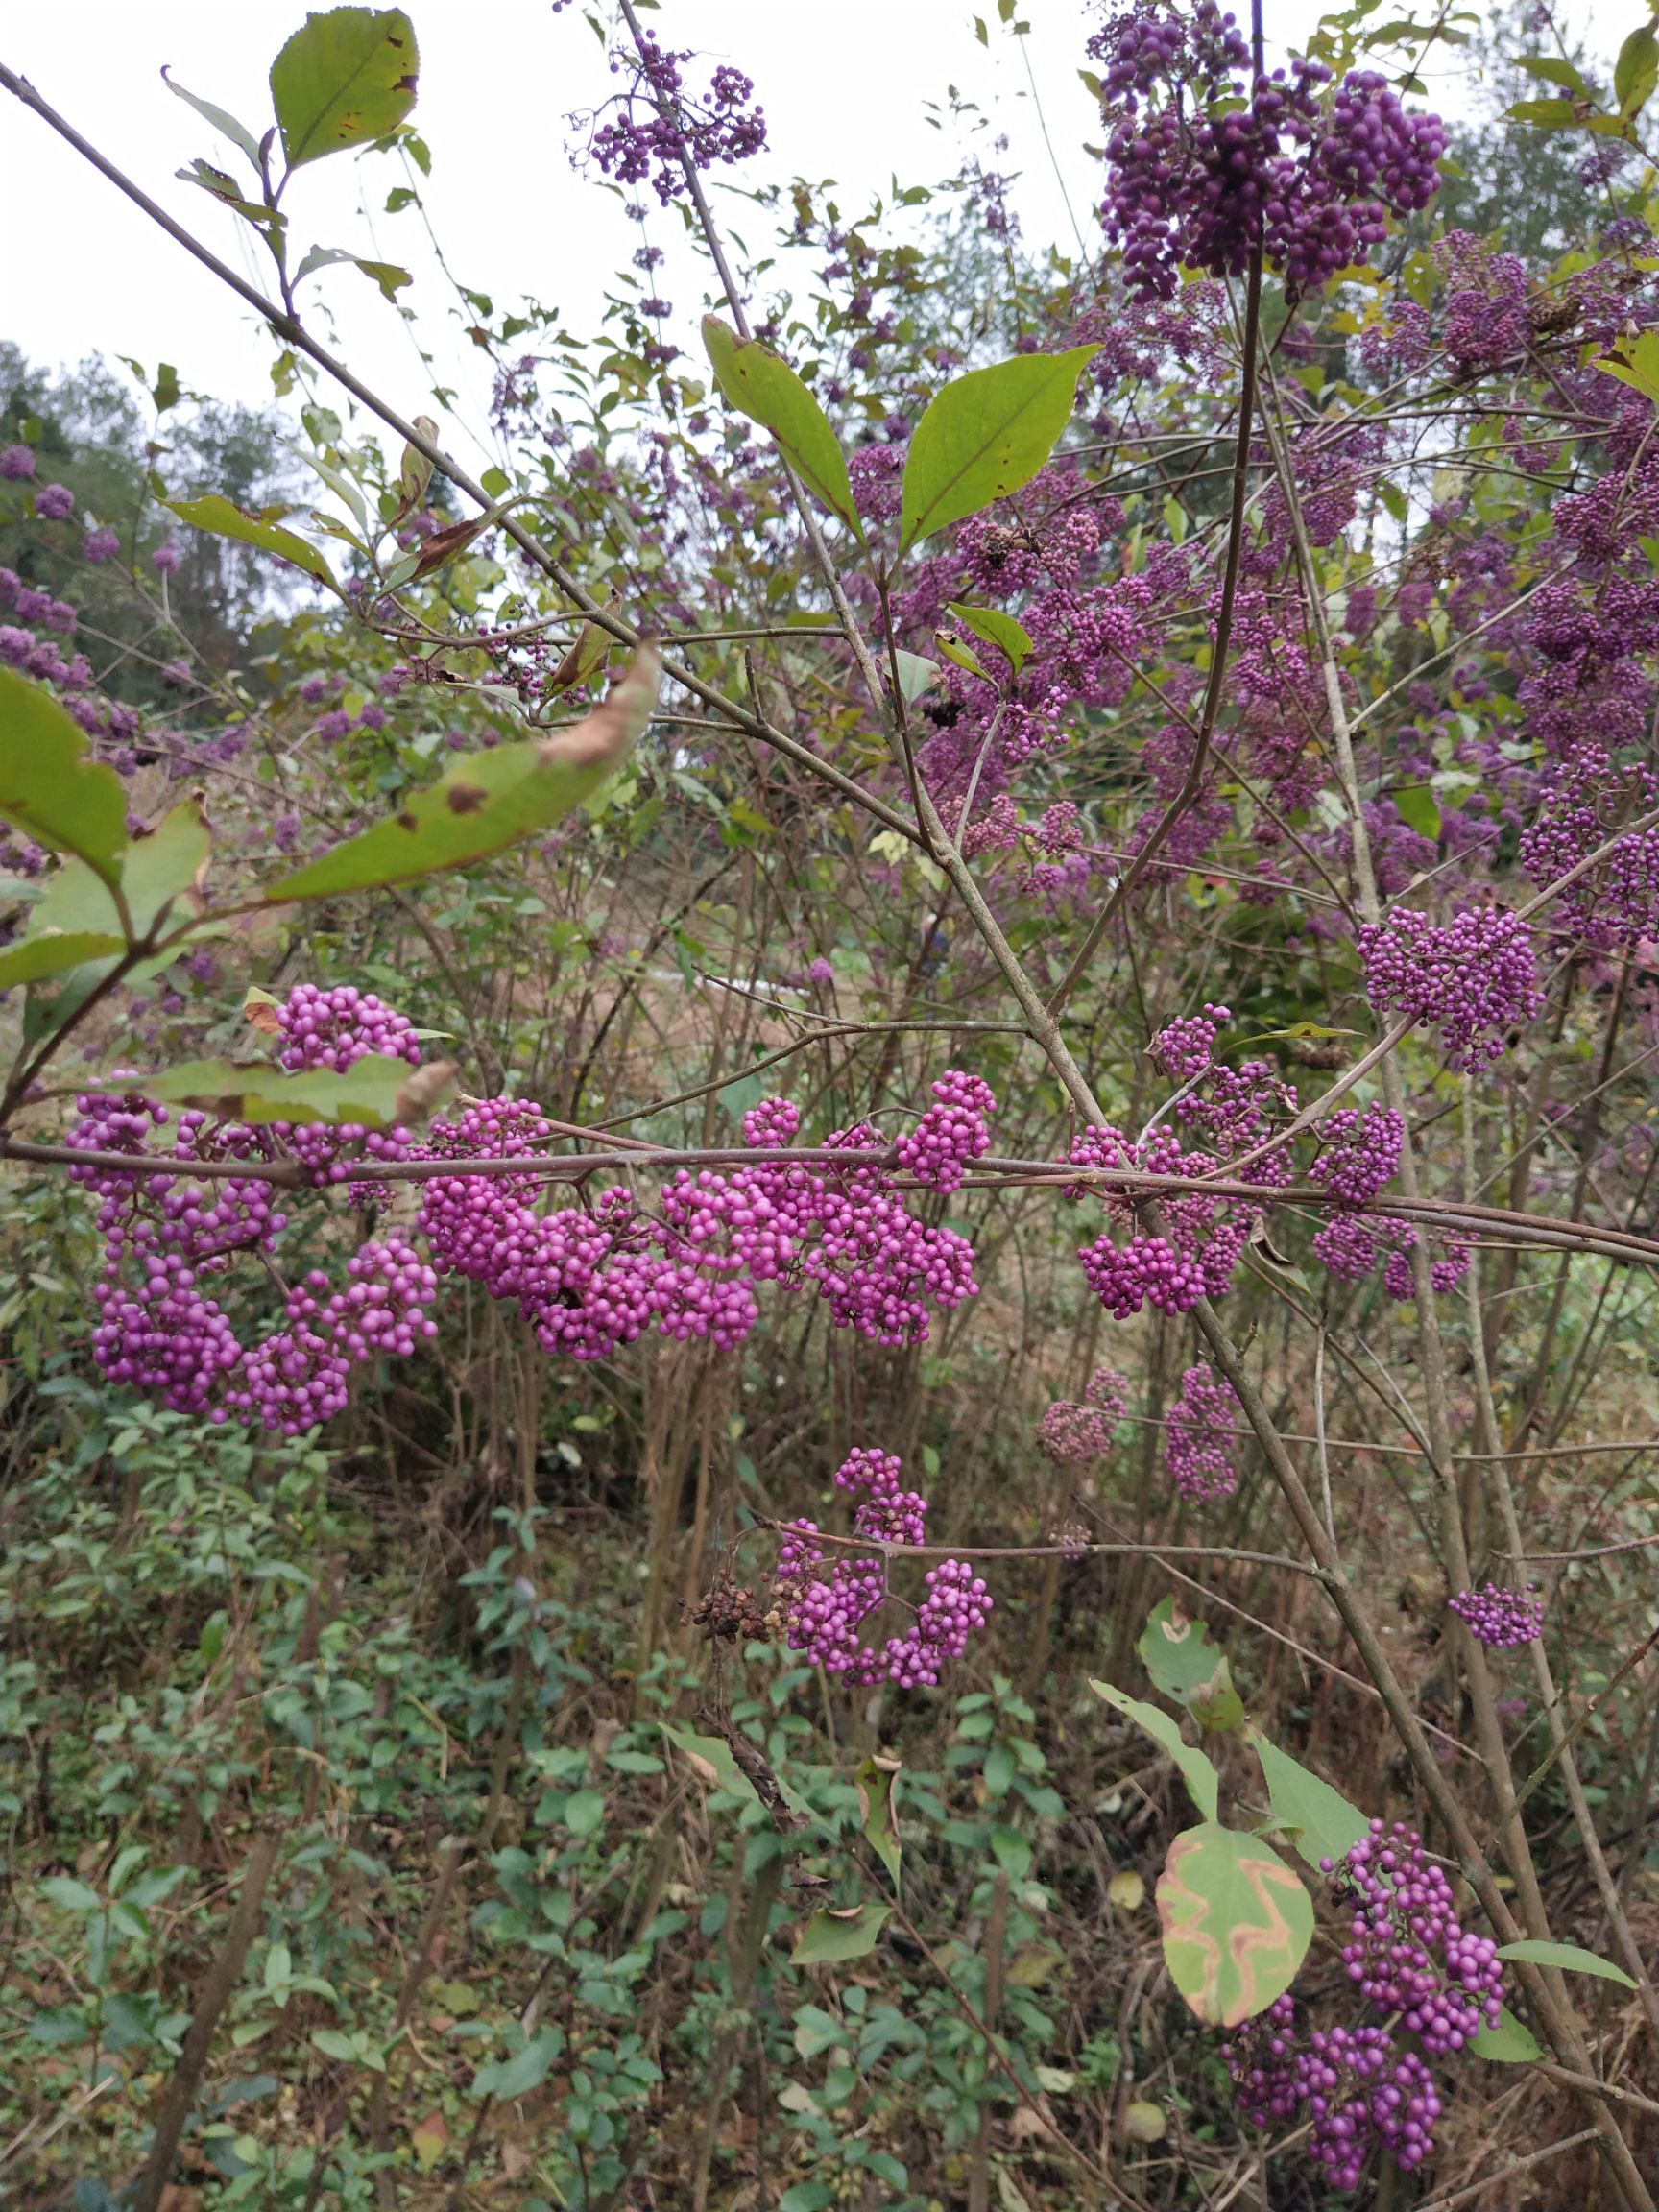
[
  {"x": 1356, "y": 2086},
  {"x": 658, "y": 126},
  {"x": 591, "y": 1279},
  {"x": 167, "y": 1238},
  {"x": 1073, "y": 1435},
  {"x": 336, "y": 1028},
  {"x": 1474, "y": 979},
  {"x": 1360, "y": 2086},
  {"x": 825, "y": 1601},
  {"x": 1406, "y": 1953},
  {"x": 1198, "y": 1437},
  {"x": 1499, "y": 1619},
  {"x": 1208, "y": 161},
  {"x": 950, "y": 1133},
  {"x": 1186, "y": 1049},
  {"x": 1359, "y": 1152}
]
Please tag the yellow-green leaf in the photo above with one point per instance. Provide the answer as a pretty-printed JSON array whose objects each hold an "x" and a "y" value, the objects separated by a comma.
[
  {"x": 712, "y": 1761},
  {"x": 52, "y": 953},
  {"x": 985, "y": 435},
  {"x": 1318, "y": 1820},
  {"x": 1200, "y": 1776},
  {"x": 759, "y": 384},
  {"x": 1567, "y": 1958},
  {"x": 376, "y": 1091},
  {"x": 216, "y": 513}
]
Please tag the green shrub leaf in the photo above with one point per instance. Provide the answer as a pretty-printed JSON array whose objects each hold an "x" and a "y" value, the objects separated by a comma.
[
  {"x": 48, "y": 786},
  {"x": 1318, "y": 1820},
  {"x": 985, "y": 435},
  {"x": 487, "y": 801},
  {"x": 1511, "y": 2043},
  {"x": 216, "y": 513},
  {"x": 839, "y": 1933},
  {"x": 1568, "y": 1958},
  {"x": 1199, "y": 1774},
  {"x": 52, "y": 953},
  {"x": 343, "y": 79},
  {"x": 377, "y": 1090},
  {"x": 759, "y": 384}
]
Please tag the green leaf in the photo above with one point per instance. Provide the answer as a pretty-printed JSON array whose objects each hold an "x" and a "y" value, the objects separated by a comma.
[
  {"x": 876, "y": 1781},
  {"x": 992, "y": 627},
  {"x": 584, "y": 1812},
  {"x": 760, "y": 385},
  {"x": 487, "y": 801},
  {"x": 1199, "y": 1774},
  {"x": 165, "y": 865},
  {"x": 712, "y": 1761},
  {"x": 216, "y": 513},
  {"x": 1176, "y": 1651},
  {"x": 1568, "y": 1958},
  {"x": 1419, "y": 809},
  {"x": 953, "y": 649},
  {"x": 916, "y": 675},
  {"x": 839, "y": 1933},
  {"x": 1511, "y": 2043},
  {"x": 52, "y": 953},
  {"x": 386, "y": 273},
  {"x": 524, "y": 2071},
  {"x": 221, "y": 120},
  {"x": 1553, "y": 72},
  {"x": 376, "y": 1091},
  {"x": 49, "y": 787},
  {"x": 1547, "y": 114},
  {"x": 1236, "y": 1923},
  {"x": 1318, "y": 1818},
  {"x": 1184, "y": 1665},
  {"x": 1636, "y": 71},
  {"x": 984, "y": 436},
  {"x": 344, "y": 77}
]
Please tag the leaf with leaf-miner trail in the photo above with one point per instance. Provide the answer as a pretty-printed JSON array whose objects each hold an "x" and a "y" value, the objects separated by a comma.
[{"x": 1236, "y": 1923}]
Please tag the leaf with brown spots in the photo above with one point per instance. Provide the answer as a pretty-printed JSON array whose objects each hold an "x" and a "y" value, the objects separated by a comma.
[
  {"x": 488, "y": 800},
  {"x": 345, "y": 77}
]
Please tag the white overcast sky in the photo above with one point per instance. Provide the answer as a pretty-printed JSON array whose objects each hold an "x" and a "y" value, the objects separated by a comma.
[{"x": 844, "y": 87}]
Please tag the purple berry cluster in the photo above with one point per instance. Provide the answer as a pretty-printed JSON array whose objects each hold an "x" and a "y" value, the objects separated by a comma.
[
  {"x": 1359, "y": 1152},
  {"x": 591, "y": 1281},
  {"x": 949, "y": 1134},
  {"x": 1406, "y": 1953},
  {"x": 1356, "y": 2086},
  {"x": 1073, "y": 1435},
  {"x": 1207, "y": 162},
  {"x": 774, "y": 1122},
  {"x": 1616, "y": 904},
  {"x": 1186, "y": 1049},
  {"x": 659, "y": 126},
  {"x": 338, "y": 1027},
  {"x": 1198, "y": 1436},
  {"x": 1353, "y": 1245},
  {"x": 167, "y": 1238},
  {"x": 824, "y": 1602},
  {"x": 1474, "y": 979},
  {"x": 1498, "y": 1618}
]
